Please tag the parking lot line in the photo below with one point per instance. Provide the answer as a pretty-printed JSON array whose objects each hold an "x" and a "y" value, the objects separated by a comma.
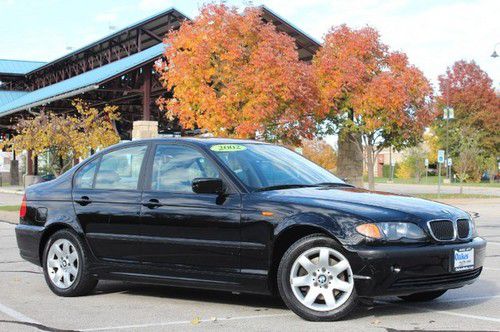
[
  {"x": 449, "y": 313},
  {"x": 475, "y": 298},
  {"x": 182, "y": 322},
  {"x": 16, "y": 315}
]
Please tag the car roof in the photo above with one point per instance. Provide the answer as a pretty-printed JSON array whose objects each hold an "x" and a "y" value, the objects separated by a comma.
[{"x": 197, "y": 140}]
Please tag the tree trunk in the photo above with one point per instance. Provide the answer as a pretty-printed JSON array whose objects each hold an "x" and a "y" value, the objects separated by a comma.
[
  {"x": 350, "y": 158},
  {"x": 14, "y": 172},
  {"x": 370, "y": 165}
]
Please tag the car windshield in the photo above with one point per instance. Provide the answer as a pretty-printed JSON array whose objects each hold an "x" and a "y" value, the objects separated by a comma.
[{"x": 269, "y": 167}]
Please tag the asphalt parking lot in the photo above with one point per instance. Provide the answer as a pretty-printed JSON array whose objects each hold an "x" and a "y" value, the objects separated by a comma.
[{"x": 26, "y": 304}]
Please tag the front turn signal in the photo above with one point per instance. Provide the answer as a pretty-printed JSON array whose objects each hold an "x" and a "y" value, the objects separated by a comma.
[{"x": 369, "y": 230}]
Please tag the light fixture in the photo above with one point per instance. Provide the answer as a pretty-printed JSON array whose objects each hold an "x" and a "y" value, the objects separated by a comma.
[{"x": 495, "y": 54}]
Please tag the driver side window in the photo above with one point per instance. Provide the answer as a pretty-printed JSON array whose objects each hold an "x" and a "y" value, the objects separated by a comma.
[{"x": 175, "y": 168}]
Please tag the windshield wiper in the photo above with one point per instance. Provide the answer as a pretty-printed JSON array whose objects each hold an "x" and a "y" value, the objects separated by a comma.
[
  {"x": 286, "y": 186},
  {"x": 333, "y": 184}
]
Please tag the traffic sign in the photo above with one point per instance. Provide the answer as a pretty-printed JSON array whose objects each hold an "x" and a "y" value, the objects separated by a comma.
[
  {"x": 450, "y": 163},
  {"x": 426, "y": 162},
  {"x": 449, "y": 113},
  {"x": 440, "y": 156}
]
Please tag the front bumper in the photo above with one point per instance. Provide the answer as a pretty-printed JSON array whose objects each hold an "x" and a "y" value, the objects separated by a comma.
[
  {"x": 402, "y": 270},
  {"x": 28, "y": 242}
]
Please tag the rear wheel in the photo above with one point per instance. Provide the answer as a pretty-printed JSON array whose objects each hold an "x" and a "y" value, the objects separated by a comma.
[
  {"x": 65, "y": 265},
  {"x": 315, "y": 279},
  {"x": 423, "y": 297}
]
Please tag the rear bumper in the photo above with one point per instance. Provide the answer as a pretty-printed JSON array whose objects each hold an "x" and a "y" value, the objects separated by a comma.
[
  {"x": 28, "y": 242},
  {"x": 402, "y": 270}
]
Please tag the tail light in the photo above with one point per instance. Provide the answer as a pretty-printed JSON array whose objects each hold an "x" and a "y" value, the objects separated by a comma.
[{"x": 24, "y": 208}]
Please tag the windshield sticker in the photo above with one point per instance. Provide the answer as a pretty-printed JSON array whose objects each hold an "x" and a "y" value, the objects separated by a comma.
[{"x": 228, "y": 147}]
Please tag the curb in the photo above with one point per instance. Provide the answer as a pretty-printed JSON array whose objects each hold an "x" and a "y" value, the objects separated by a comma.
[
  {"x": 8, "y": 222},
  {"x": 8, "y": 191}
]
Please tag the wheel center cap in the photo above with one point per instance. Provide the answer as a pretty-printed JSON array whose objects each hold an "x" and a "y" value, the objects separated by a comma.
[
  {"x": 64, "y": 264},
  {"x": 322, "y": 279}
]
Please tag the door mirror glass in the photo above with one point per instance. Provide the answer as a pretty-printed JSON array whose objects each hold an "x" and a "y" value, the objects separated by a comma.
[{"x": 208, "y": 186}]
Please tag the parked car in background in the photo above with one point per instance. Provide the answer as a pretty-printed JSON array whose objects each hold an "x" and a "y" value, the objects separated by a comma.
[{"x": 243, "y": 216}]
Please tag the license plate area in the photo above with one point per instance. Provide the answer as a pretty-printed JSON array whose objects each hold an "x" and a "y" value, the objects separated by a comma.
[{"x": 463, "y": 259}]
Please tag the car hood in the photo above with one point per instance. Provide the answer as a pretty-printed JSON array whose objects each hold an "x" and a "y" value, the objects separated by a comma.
[{"x": 374, "y": 205}]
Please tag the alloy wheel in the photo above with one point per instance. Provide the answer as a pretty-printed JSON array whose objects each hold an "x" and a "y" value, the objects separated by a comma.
[
  {"x": 321, "y": 279},
  {"x": 62, "y": 263}
]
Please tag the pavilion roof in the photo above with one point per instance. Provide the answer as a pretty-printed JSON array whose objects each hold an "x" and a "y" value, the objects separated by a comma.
[
  {"x": 18, "y": 67},
  {"x": 82, "y": 83}
]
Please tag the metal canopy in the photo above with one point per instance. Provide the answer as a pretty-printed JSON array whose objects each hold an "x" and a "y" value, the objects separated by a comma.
[
  {"x": 82, "y": 83},
  {"x": 18, "y": 67},
  {"x": 7, "y": 96},
  {"x": 151, "y": 24}
]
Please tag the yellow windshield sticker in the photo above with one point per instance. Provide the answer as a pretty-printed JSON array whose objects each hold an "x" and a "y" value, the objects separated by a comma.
[{"x": 227, "y": 147}]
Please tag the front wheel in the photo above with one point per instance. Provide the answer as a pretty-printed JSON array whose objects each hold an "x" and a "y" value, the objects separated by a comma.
[
  {"x": 65, "y": 262},
  {"x": 423, "y": 297},
  {"x": 315, "y": 279}
]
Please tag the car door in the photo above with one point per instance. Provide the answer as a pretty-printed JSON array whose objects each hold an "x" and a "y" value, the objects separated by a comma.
[
  {"x": 182, "y": 228},
  {"x": 107, "y": 201}
]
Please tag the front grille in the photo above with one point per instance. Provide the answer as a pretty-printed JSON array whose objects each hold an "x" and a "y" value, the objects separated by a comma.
[
  {"x": 463, "y": 228},
  {"x": 436, "y": 280},
  {"x": 442, "y": 230}
]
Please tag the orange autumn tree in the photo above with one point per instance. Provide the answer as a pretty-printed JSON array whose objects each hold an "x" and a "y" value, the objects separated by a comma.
[
  {"x": 236, "y": 76},
  {"x": 370, "y": 92},
  {"x": 320, "y": 152}
]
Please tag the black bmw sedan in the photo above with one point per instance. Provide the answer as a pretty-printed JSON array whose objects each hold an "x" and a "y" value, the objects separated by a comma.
[{"x": 241, "y": 216}]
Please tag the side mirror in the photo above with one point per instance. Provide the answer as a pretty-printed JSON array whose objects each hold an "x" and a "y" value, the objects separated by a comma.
[{"x": 208, "y": 186}]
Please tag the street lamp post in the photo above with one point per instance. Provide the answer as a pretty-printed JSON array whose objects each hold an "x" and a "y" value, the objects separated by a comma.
[
  {"x": 448, "y": 114},
  {"x": 495, "y": 54}
]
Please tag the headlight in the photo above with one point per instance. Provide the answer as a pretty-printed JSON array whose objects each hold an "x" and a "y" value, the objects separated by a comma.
[
  {"x": 472, "y": 218},
  {"x": 392, "y": 231}
]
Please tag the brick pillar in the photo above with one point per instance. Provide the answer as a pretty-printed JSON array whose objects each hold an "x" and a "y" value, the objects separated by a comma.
[{"x": 144, "y": 129}]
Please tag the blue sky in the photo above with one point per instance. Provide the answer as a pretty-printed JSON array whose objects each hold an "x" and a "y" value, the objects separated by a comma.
[{"x": 433, "y": 33}]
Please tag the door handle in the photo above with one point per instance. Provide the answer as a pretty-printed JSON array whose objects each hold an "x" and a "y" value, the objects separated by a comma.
[
  {"x": 152, "y": 203},
  {"x": 84, "y": 200}
]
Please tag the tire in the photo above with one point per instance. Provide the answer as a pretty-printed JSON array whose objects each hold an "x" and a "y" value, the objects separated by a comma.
[
  {"x": 65, "y": 265},
  {"x": 320, "y": 278},
  {"x": 423, "y": 297}
]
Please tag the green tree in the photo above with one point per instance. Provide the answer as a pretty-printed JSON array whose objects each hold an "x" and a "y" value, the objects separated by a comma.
[
  {"x": 413, "y": 166},
  {"x": 469, "y": 162}
]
